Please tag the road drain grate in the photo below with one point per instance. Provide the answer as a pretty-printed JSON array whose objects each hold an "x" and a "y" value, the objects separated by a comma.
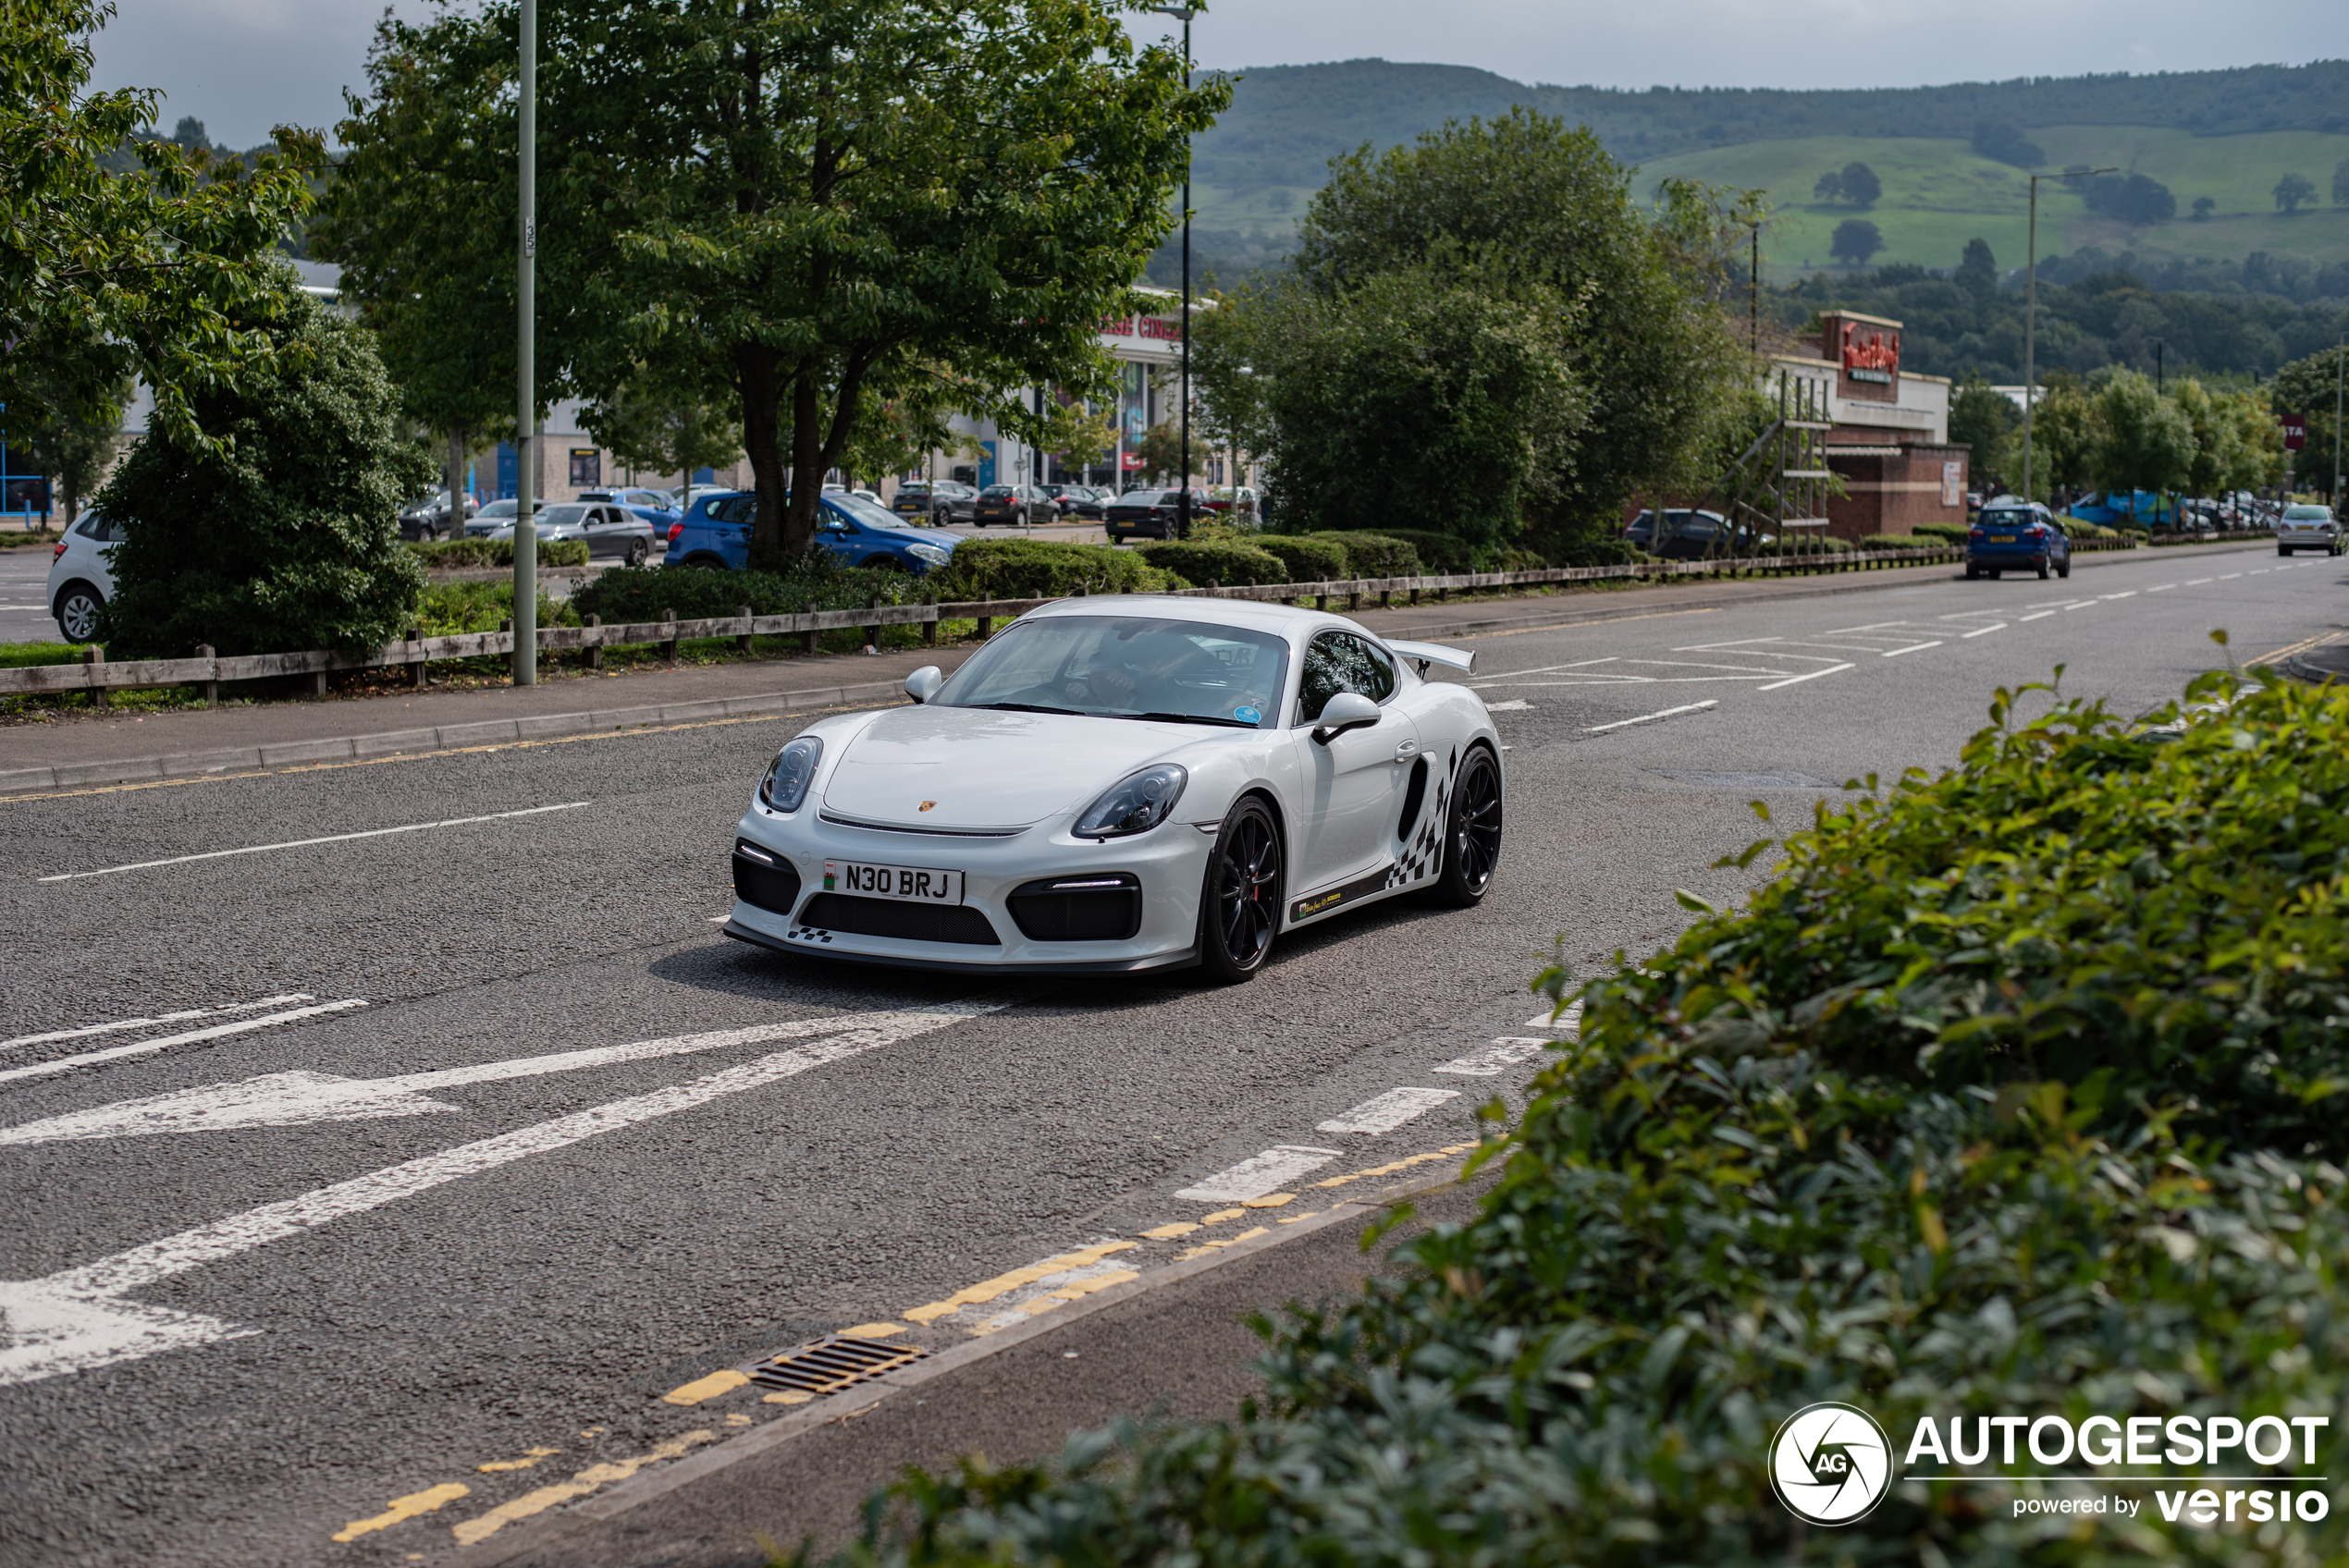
[{"x": 832, "y": 1362}]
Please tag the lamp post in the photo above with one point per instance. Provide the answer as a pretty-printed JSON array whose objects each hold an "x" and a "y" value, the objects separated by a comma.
[
  {"x": 2339, "y": 354},
  {"x": 2031, "y": 314},
  {"x": 1183, "y": 499},
  {"x": 525, "y": 654}
]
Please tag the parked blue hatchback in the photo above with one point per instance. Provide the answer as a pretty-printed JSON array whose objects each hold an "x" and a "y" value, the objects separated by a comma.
[
  {"x": 855, "y": 532},
  {"x": 2011, "y": 536}
]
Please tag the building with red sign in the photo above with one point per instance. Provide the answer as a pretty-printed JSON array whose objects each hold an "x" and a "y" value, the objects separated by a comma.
[{"x": 1890, "y": 447}]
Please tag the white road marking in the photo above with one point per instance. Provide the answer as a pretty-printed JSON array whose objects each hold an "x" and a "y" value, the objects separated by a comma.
[
  {"x": 1517, "y": 705},
  {"x": 1387, "y": 1111},
  {"x": 1259, "y": 1174},
  {"x": 1911, "y": 648},
  {"x": 1797, "y": 680},
  {"x": 1652, "y": 718},
  {"x": 2228, "y": 576},
  {"x": 182, "y": 1017},
  {"x": 2130, "y": 593},
  {"x": 297, "y": 1099},
  {"x": 1504, "y": 678},
  {"x": 1495, "y": 1059},
  {"x": 1569, "y": 1024},
  {"x": 193, "y": 1036},
  {"x": 2197, "y": 582},
  {"x": 304, "y": 843},
  {"x": 1995, "y": 626},
  {"x": 2041, "y": 616},
  {"x": 2161, "y": 588},
  {"x": 75, "y": 1320}
]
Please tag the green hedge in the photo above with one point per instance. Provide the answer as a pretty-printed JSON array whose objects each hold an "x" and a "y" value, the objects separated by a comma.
[
  {"x": 1901, "y": 542},
  {"x": 1230, "y": 563},
  {"x": 2011, "y": 1093},
  {"x": 1444, "y": 554},
  {"x": 1948, "y": 533},
  {"x": 1373, "y": 554},
  {"x": 457, "y": 554},
  {"x": 1033, "y": 569},
  {"x": 450, "y": 608},
  {"x": 642, "y": 593},
  {"x": 1305, "y": 558}
]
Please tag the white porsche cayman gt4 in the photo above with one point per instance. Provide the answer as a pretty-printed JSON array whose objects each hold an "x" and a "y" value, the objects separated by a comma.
[{"x": 1125, "y": 783}]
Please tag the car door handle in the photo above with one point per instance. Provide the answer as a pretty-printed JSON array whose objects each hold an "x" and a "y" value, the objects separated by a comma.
[{"x": 1406, "y": 749}]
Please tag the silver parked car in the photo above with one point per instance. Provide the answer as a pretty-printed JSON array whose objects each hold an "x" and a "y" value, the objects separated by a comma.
[{"x": 611, "y": 530}]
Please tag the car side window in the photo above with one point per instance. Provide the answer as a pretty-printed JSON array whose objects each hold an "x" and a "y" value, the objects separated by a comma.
[
  {"x": 734, "y": 508},
  {"x": 1337, "y": 661}
]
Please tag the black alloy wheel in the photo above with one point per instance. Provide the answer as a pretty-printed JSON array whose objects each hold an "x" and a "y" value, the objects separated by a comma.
[
  {"x": 1472, "y": 837},
  {"x": 1241, "y": 906}
]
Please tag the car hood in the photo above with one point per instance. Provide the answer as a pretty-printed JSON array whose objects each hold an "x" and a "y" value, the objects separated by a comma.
[{"x": 980, "y": 768}]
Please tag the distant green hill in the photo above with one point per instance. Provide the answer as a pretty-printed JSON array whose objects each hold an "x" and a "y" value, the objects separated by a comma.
[{"x": 2228, "y": 134}]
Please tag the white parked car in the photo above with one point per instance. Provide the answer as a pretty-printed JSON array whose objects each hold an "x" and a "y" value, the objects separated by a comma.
[
  {"x": 81, "y": 575},
  {"x": 1134, "y": 784},
  {"x": 2305, "y": 527}
]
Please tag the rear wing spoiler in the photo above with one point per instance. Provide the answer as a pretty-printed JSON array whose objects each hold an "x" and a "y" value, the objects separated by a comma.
[{"x": 1425, "y": 654}]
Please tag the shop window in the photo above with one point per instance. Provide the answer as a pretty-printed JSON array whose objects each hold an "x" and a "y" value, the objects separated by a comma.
[{"x": 587, "y": 467}]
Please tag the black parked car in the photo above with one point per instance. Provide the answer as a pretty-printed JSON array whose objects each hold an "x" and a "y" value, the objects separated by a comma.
[
  {"x": 1015, "y": 505},
  {"x": 936, "y": 502},
  {"x": 1151, "y": 514},
  {"x": 1076, "y": 500},
  {"x": 1692, "y": 535},
  {"x": 427, "y": 517}
]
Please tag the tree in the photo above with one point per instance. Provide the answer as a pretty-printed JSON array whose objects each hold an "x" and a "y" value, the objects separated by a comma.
[
  {"x": 2294, "y": 191},
  {"x": 1860, "y": 185},
  {"x": 166, "y": 272},
  {"x": 1421, "y": 397},
  {"x": 2136, "y": 198},
  {"x": 1977, "y": 269},
  {"x": 1161, "y": 451},
  {"x": 1830, "y": 188},
  {"x": 2004, "y": 140},
  {"x": 2340, "y": 183},
  {"x": 2306, "y": 387},
  {"x": 2064, "y": 432},
  {"x": 665, "y": 428},
  {"x": 1985, "y": 419},
  {"x": 2203, "y": 207},
  {"x": 284, "y": 532},
  {"x": 2143, "y": 441},
  {"x": 50, "y": 432},
  {"x": 1855, "y": 240},
  {"x": 1529, "y": 211}
]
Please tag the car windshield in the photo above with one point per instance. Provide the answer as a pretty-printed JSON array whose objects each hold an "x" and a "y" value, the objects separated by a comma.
[
  {"x": 1126, "y": 667},
  {"x": 560, "y": 517},
  {"x": 499, "y": 508},
  {"x": 1138, "y": 499},
  {"x": 2307, "y": 514},
  {"x": 869, "y": 512}
]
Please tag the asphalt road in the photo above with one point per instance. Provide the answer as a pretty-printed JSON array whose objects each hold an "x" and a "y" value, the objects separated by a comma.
[
  {"x": 24, "y": 594},
  {"x": 324, "y": 1317}
]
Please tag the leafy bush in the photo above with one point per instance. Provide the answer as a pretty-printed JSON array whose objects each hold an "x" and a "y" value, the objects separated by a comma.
[
  {"x": 1444, "y": 554},
  {"x": 450, "y": 608},
  {"x": 458, "y": 554},
  {"x": 1372, "y": 554},
  {"x": 640, "y": 593},
  {"x": 288, "y": 540},
  {"x": 1201, "y": 562},
  {"x": 1035, "y": 569},
  {"x": 1948, "y": 532},
  {"x": 1590, "y": 551},
  {"x": 1306, "y": 558},
  {"x": 2011, "y": 1093},
  {"x": 1900, "y": 542}
]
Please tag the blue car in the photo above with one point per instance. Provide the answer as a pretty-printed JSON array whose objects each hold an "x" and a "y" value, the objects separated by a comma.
[
  {"x": 855, "y": 532},
  {"x": 2011, "y": 536},
  {"x": 654, "y": 505}
]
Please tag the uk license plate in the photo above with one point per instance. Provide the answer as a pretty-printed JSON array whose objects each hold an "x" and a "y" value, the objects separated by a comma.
[
  {"x": 2002, "y": 538},
  {"x": 912, "y": 883}
]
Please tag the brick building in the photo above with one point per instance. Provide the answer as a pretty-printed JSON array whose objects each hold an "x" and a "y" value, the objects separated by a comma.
[{"x": 1890, "y": 445}]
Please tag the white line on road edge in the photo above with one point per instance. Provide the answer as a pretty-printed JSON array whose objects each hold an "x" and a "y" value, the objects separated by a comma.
[
  {"x": 296, "y": 1099},
  {"x": 75, "y": 1320},
  {"x": 1259, "y": 1174},
  {"x": 1798, "y": 679},
  {"x": 1999, "y": 626},
  {"x": 1652, "y": 718},
  {"x": 1387, "y": 1111},
  {"x": 2041, "y": 616},
  {"x": 303, "y": 843},
  {"x": 193, "y": 1036},
  {"x": 147, "y": 1023},
  {"x": 2161, "y": 587},
  {"x": 1911, "y": 648}
]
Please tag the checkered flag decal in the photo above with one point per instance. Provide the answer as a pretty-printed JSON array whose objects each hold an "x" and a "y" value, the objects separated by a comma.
[{"x": 1424, "y": 858}]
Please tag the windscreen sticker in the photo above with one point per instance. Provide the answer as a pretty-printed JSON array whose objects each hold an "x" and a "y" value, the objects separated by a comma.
[{"x": 1248, "y": 715}]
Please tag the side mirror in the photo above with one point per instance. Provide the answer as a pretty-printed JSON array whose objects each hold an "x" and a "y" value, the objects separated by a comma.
[
  {"x": 1347, "y": 710},
  {"x": 923, "y": 684}
]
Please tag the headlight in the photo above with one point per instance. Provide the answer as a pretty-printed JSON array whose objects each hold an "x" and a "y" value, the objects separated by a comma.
[
  {"x": 785, "y": 786},
  {"x": 1134, "y": 804},
  {"x": 930, "y": 552}
]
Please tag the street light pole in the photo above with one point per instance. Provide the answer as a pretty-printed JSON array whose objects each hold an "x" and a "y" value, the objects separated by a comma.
[
  {"x": 2031, "y": 316},
  {"x": 525, "y": 654},
  {"x": 2339, "y": 354},
  {"x": 1183, "y": 499}
]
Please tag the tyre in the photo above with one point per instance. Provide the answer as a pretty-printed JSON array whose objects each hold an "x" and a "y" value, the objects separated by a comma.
[
  {"x": 2283, "y": 549},
  {"x": 1471, "y": 833},
  {"x": 77, "y": 611},
  {"x": 1240, "y": 903},
  {"x": 1994, "y": 574},
  {"x": 639, "y": 552},
  {"x": 1972, "y": 573},
  {"x": 2043, "y": 571},
  {"x": 2064, "y": 571}
]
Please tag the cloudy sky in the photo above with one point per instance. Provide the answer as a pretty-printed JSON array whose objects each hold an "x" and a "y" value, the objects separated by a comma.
[{"x": 242, "y": 66}]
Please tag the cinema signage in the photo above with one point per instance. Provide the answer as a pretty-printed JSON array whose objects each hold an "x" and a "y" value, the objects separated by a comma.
[{"x": 1871, "y": 356}]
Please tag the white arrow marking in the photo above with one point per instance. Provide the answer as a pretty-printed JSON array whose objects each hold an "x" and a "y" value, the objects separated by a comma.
[
  {"x": 147, "y": 1023},
  {"x": 293, "y": 1099},
  {"x": 141, "y": 1047},
  {"x": 71, "y": 1321}
]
